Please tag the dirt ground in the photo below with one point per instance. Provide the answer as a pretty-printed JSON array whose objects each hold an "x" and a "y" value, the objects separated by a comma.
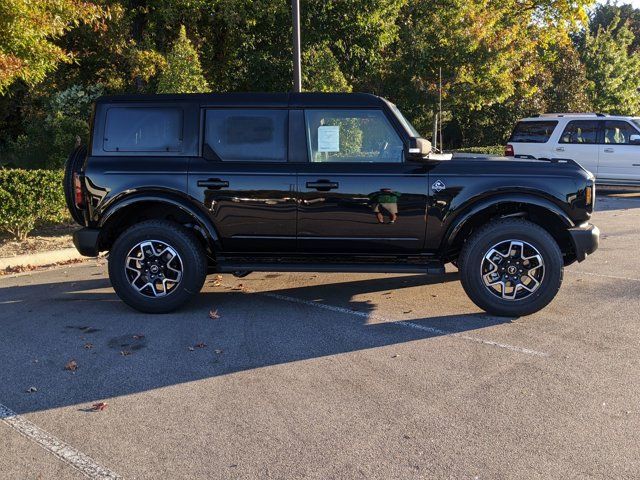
[{"x": 43, "y": 239}]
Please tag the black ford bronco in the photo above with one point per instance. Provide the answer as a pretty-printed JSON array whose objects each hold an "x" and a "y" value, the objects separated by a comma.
[{"x": 178, "y": 186}]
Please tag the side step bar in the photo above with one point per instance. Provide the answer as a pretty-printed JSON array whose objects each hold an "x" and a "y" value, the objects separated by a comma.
[{"x": 432, "y": 268}]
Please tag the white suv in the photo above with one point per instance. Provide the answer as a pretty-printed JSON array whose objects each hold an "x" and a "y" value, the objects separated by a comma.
[{"x": 607, "y": 146}]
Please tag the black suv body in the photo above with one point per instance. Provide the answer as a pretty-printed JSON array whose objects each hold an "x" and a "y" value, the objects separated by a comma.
[{"x": 179, "y": 186}]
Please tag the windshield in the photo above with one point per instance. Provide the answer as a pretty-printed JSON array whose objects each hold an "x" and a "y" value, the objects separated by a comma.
[
  {"x": 405, "y": 123},
  {"x": 636, "y": 122}
]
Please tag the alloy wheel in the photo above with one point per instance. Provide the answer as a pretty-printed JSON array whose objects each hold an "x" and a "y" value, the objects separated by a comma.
[
  {"x": 154, "y": 268},
  {"x": 512, "y": 270}
]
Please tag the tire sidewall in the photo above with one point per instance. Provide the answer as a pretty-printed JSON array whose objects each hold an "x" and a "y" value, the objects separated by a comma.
[
  {"x": 474, "y": 254},
  {"x": 193, "y": 264}
]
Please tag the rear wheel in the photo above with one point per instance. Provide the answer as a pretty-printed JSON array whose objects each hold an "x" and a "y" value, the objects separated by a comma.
[
  {"x": 511, "y": 267},
  {"x": 156, "y": 266}
]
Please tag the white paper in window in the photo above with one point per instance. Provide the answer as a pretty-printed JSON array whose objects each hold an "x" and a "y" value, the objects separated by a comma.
[{"x": 329, "y": 139}]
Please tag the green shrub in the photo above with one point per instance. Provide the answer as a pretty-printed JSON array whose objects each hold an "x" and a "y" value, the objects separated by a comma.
[
  {"x": 492, "y": 150},
  {"x": 29, "y": 198}
]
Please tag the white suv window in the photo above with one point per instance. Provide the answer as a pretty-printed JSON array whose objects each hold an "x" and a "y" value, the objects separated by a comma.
[
  {"x": 533, "y": 132},
  {"x": 618, "y": 132},
  {"x": 580, "y": 132}
]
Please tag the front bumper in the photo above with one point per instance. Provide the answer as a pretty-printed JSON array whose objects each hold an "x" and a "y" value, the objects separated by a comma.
[
  {"x": 586, "y": 239},
  {"x": 86, "y": 241}
]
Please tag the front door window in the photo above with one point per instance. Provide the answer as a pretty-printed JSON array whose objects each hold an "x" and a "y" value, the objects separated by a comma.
[{"x": 352, "y": 136}]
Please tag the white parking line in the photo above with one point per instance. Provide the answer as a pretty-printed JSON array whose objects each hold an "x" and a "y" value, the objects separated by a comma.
[
  {"x": 403, "y": 323},
  {"x": 51, "y": 444}
]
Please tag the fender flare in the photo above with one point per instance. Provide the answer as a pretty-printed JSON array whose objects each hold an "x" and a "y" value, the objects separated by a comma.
[
  {"x": 205, "y": 223},
  {"x": 470, "y": 211}
]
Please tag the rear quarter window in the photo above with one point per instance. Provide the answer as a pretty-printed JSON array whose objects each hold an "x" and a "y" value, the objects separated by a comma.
[
  {"x": 143, "y": 129},
  {"x": 533, "y": 132}
]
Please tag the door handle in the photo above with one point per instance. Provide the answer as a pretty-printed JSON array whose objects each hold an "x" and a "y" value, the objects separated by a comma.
[
  {"x": 213, "y": 183},
  {"x": 608, "y": 150},
  {"x": 559, "y": 149},
  {"x": 323, "y": 185}
]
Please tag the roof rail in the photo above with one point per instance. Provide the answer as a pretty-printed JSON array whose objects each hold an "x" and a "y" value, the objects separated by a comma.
[{"x": 558, "y": 115}]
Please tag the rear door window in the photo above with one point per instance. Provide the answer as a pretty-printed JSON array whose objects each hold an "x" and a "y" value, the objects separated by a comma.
[
  {"x": 533, "y": 132},
  {"x": 143, "y": 129},
  {"x": 246, "y": 135},
  {"x": 580, "y": 132}
]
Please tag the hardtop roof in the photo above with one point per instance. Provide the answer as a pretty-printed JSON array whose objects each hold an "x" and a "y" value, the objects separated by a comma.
[{"x": 306, "y": 99}]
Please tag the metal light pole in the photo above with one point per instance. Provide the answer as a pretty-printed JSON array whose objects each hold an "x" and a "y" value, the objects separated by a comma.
[{"x": 297, "y": 68}]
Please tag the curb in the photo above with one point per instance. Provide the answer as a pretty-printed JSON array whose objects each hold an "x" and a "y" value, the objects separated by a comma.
[{"x": 41, "y": 259}]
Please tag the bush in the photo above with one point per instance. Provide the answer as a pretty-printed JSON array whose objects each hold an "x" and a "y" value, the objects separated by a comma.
[
  {"x": 492, "y": 150},
  {"x": 29, "y": 198}
]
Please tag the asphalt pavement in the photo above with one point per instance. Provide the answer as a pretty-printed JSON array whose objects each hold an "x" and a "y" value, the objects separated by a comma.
[{"x": 343, "y": 376}]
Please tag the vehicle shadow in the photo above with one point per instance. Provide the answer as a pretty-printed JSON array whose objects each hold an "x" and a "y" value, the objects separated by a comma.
[{"x": 122, "y": 352}]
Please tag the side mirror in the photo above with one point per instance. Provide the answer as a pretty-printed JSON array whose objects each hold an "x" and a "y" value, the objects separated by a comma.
[
  {"x": 418, "y": 150},
  {"x": 634, "y": 139}
]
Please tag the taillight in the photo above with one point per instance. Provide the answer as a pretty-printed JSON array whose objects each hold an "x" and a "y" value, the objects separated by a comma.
[
  {"x": 508, "y": 151},
  {"x": 77, "y": 188}
]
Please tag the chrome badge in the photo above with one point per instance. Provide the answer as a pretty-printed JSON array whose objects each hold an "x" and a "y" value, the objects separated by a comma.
[{"x": 438, "y": 186}]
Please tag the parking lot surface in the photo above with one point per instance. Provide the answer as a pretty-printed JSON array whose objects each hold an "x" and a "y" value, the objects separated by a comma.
[{"x": 326, "y": 376}]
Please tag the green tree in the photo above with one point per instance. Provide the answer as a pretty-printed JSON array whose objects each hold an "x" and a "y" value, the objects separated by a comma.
[
  {"x": 183, "y": 73},
  {"x": 322, "y": 72},
  {"x": 611, "y": 15},
  {"x": 613, "y": 71},
  {"x": 28, "y": 31},
  {"x": 50, "y": 134}
]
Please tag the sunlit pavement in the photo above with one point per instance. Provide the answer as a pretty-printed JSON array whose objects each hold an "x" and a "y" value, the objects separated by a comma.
[{"x": 326, "y": 376}]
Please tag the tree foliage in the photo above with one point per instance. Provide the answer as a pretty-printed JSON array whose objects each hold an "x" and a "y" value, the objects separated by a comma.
[
  {"x": 183, "y": 73},
  {"x": 613, "y": 70},
  {"x": 499, "y": 60},
  {"x": 28, "y": 30}
]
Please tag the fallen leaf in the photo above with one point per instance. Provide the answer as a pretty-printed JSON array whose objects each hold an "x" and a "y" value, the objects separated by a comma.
[
  {"x": 125, "y": 353},
  {"x": 32, "y": 390},
  {"x": 191, "y": 349},
  {"x": 218, "y": 351},
  {"x": 100, "y": 406},
  {"x": 88, "y": 346},
  {"x": 408, "y": 311},
  {"x": 200, "y": 345},
  {"x": 219, "y": 278},
  {"x": 139, "y": 336},
  {"x": 240, "y": 286},
  {"x": 213, "y": 314},
  {"x": 395, "y": 356},
  {"x": 217, "y": 283},
  {"x": 71, "y": 365}
]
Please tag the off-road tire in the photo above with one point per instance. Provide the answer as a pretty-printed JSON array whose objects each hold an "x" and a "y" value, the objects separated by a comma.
[
  {"x": 479, "y": 244},
  {"x": 73, "y": 165},
  {"x": 184, "y": 242}
]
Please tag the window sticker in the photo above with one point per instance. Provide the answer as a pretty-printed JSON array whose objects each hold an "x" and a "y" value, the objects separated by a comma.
[{"x": 329, "y": 139}]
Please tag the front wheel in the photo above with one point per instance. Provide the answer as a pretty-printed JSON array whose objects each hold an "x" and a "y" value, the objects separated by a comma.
[
  {"x": 156, "y": 266},
  {"x": 511, "y": 267}
]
